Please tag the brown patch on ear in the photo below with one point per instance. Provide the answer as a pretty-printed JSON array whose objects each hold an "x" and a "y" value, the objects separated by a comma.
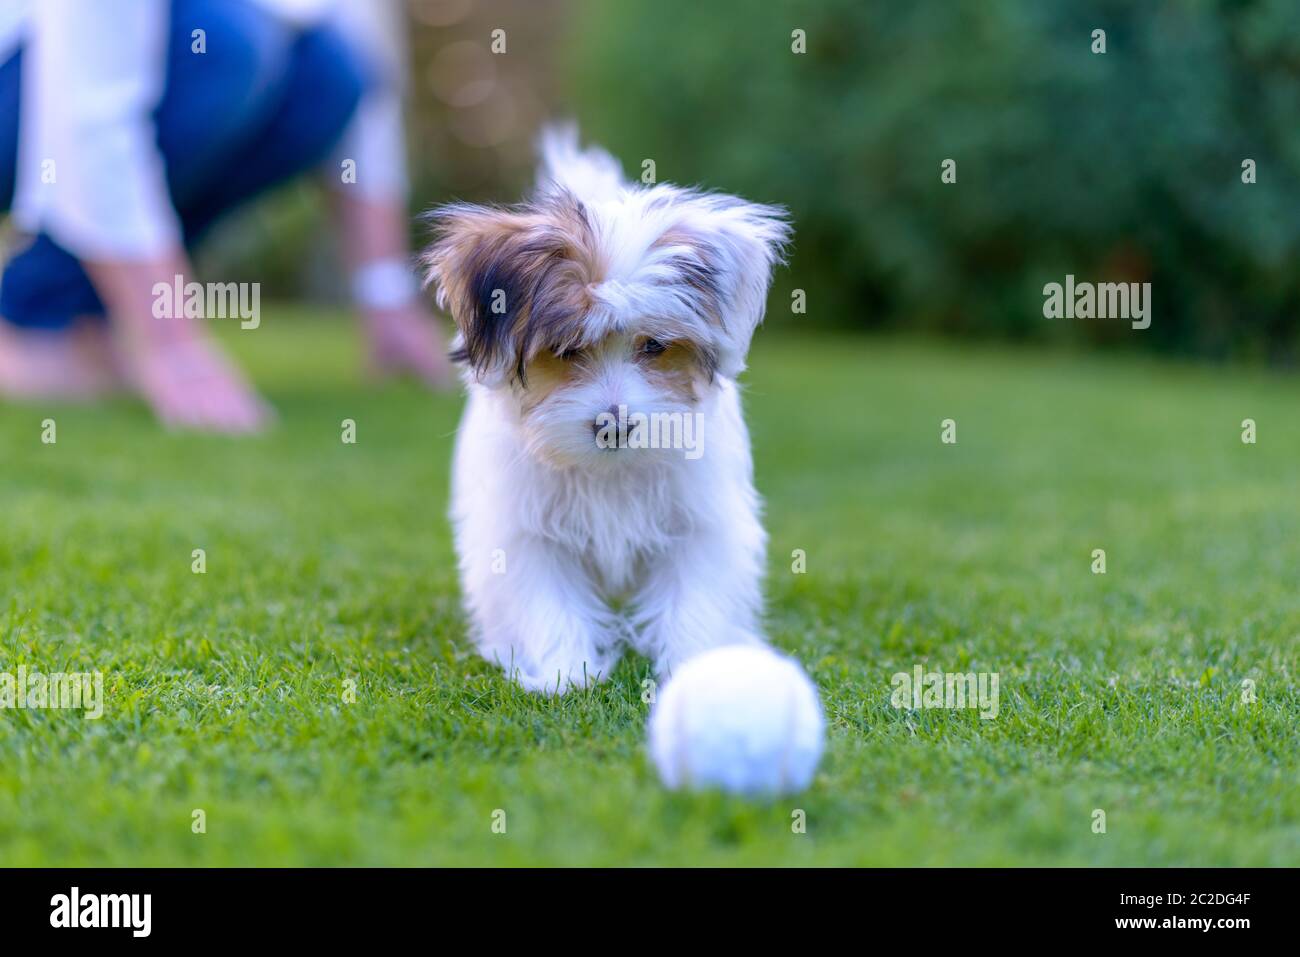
[
  {"x": 514, "y": 279},
  {"x": 682, "y": 370}
]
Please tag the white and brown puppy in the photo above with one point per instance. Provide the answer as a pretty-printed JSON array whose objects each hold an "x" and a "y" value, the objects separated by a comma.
[{"x": 603, "y": 485}]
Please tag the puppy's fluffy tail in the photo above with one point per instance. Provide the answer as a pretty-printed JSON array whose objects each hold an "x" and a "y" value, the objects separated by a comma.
[{"x": 592, "y": 175}]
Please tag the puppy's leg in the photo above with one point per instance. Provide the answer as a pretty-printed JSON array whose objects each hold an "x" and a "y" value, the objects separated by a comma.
[
  {"x": 703, "y": 594},
  {"x": 536, "y": 614}
]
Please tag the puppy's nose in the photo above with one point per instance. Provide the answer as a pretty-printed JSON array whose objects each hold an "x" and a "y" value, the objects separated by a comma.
[{"x": 599, "y": 422}]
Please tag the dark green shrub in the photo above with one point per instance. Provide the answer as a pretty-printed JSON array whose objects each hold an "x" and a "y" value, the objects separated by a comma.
[{"x": 1121, "y": 166}]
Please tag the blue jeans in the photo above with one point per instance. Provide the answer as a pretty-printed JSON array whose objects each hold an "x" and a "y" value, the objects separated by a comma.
[{"x": 265, "y": 103}]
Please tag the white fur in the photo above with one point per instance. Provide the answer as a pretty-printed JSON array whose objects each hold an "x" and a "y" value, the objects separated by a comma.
[{"x": 569, "y": 553}]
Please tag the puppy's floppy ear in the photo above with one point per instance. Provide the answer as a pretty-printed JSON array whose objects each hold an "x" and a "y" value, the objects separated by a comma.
[
  {"x": 727, "y": 250},
  {"x": 513, "y": 278}
]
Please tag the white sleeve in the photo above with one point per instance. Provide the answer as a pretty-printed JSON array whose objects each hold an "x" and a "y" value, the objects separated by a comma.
[
  {"x": 375, "y": 140},
  {"x": 89, "y": 170}
]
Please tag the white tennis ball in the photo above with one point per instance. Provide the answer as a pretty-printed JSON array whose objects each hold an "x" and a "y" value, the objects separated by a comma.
[{"x": 741, "y": 718}]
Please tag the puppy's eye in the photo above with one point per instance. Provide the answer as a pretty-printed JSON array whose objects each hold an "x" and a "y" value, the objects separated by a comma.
[
  {"x": 652, "y": 347},
  {"x": 568, "y": 355}
]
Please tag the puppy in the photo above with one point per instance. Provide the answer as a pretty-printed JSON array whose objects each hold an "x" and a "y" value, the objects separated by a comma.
[{"x": 603, "y": 490}]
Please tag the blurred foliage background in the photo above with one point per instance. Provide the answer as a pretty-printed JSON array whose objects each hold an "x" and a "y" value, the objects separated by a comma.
[{"x": 1122, "y": 166}]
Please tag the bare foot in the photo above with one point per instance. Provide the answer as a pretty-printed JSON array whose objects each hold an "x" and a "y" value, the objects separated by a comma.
[
  {"x": 190, "y": 384},
  {"x": 74, "y": 364},
  {"x": 407, "y": 341}
]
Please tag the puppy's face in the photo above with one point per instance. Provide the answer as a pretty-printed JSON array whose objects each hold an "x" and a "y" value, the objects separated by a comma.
[
  {"x": 573, "y": 402},
  {"x": 587, "y": 314}
]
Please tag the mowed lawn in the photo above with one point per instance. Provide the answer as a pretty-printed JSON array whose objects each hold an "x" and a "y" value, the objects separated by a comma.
[{"x": 330, "y": 563}]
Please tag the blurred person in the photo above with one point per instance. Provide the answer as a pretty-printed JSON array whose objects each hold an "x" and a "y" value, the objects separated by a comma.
[{"x": 128, "y": 127}]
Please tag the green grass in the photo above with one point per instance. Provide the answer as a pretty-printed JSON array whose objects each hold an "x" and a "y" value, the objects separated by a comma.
[{"x": 328, "y": 562}]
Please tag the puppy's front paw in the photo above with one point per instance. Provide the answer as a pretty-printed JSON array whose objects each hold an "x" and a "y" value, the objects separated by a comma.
[
  {"x": 674, "y": 654},
  {"x": 556, "y": 675}
]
